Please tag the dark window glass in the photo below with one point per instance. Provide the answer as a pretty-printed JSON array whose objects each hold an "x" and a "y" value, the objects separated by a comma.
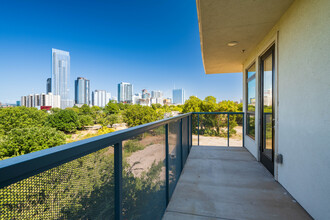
[{"x": 251, "y": 101}]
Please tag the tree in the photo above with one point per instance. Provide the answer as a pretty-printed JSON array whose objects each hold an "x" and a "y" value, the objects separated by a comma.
[
  {"x": 85, "y": 120},
  {"x": 25, "y": 140},
  {"x": 111, "y": 120},
  {"x": 111, "y": 108},
  {"x": 209, "y": 104},
  {"x": 64, "y": 120},
  {"x": 20, "y": 117},
  {"x": 121, "y": 106},
  {"x": 137, "y": 115},
  {"x": 55, "y": 110},
  {"x": 193, "y": 104},
  {"x": 85, "y": 110}
]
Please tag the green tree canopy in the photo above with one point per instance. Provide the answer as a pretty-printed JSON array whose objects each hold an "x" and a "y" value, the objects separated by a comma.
[
  {"x": 193, "y": 104},
  {"x": 20, "y": 117},
  {"x": 111, "y": 108},
  {"x": 137, "y": 115},
  {"x": 85, "y": 120},
  {"x": 25, "y": 140},
  {"x": 111, "y": 120},
  {"x": 85, "y": 110},
  {"x": 209, "y": 104},
  {"x": 227, "y": 106},
  {"x": 64, "y": 120}
]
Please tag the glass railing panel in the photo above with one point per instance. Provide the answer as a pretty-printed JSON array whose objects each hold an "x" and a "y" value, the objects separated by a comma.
[
  {"x": 80, "y": 189},
  {"x": 175, "y": 157},
  {"x": 185, "y": 140},
  {"x": 194, "y": 129},
  {"x": 236, "y": 130},
  {"x": 212, "y": 130},
  {"x": 143, "y": 177}
]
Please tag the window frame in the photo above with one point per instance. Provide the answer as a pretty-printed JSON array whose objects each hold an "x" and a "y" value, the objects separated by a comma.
[{"x": 249, "y": 113}]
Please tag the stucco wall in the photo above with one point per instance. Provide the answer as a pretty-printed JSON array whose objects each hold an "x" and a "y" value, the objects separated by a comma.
[{"x": 303, "y": 104}]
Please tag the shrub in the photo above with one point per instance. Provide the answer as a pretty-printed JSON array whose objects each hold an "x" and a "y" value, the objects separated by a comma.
[
  {"x": 105, "y": 130},
  {"x": 132, "y": 146}
]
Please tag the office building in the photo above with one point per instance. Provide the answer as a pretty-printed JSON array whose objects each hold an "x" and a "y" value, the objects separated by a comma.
[
  {"x": 49, "y": 85},
  {"x": 125, "y": 92},
  {"x": 136, "y": 98},
  {"x": 41, "y": 100},
  {"x": 82, "y": 91},
  {"x": 178, "y": 96},
  {"x": 61, "y": 76},
  {"x": 100, "y": 98},
  {"x": 156, "y": 94}
]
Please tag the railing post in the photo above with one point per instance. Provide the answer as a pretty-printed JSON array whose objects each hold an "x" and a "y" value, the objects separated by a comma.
[
  {"x": 167, "y": 165},
  {"x": 118, "y": 180},
  {"x": 181, "y": 127},
  {"x": 188, "y": 134},
  {"x": 243, "y": 128},
  {"x": 198, "y": 129},
  {"x": 228, "y": 130}
]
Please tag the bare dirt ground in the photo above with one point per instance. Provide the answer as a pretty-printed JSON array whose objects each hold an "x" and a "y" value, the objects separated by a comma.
[{"x": 142, "y": 160}]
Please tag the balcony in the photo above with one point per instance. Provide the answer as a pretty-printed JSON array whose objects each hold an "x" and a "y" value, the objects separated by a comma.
[{"x": 146, "y": 171}]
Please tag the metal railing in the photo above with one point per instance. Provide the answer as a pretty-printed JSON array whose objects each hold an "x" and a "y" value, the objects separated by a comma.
[
  {"x": 219, "y": 123},
  {"x": 130, "y": 173},
  {"x": 35, "y": 185}
]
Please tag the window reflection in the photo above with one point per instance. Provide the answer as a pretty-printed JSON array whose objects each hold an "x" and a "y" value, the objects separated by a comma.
[{"x": 251, "y": 101}]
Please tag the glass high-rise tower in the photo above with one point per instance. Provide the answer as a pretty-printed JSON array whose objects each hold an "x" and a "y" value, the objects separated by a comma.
[
  {"x": 82, "y": 91},
  {"x": 125, "y": 92},
  {"x": 61, "y": 76},
  {"x": 178, "y": 96}
]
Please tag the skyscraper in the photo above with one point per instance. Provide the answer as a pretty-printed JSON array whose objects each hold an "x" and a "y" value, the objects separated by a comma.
[
  {"x": 125, "y": 92},
  {"x": 101, "y": 98},
  {"x": 156, "y": 94},
  {"x": 49, "y": 85},
  {"x": 61, "y": 76},
  {"x": 178, "y": 96},
  {"x": 82, "y": 91}
]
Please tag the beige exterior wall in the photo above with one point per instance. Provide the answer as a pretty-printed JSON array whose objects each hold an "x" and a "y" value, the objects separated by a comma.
[{"x": 302, "y": 38}]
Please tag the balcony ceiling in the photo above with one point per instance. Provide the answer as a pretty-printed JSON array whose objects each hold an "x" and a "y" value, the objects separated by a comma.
[{"x": 244, "y": 21}]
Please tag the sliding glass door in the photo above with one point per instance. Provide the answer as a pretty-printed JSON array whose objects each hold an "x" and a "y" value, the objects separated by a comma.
[{"x": 267, "y": 131}]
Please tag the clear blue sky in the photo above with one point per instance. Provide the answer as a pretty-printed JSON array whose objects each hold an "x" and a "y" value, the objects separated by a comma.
[{"x": 153, "y": 44}]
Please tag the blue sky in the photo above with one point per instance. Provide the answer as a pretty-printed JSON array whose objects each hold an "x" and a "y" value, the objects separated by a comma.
[{"x": 151, "y": 44}]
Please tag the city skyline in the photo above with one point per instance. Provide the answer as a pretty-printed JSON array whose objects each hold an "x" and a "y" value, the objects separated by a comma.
[{"x": 154, "y": 51}]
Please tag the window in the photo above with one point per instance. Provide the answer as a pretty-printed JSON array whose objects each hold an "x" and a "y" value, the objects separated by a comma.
[{"x": 251, "y": 101}]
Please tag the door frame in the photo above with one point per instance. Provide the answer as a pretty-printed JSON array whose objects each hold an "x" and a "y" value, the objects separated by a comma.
[{"x": 270, "y": 165}]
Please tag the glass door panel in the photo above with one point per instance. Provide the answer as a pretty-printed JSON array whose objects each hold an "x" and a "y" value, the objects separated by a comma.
[{"x": 267, "y": 110}]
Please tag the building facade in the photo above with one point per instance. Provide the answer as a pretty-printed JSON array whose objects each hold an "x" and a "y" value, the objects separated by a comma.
[
  {"x": 100, "y": 98},
  {"x": 125, "y": 92},
  {"x": 40, "y": 100},
  {"x": 82, "y": 91},
  {"x": 61, "y": 76},
  {"x": 178, "y": 96},
  {"x": 156, "y": 94},
  {"x": 285, "y": 66}
]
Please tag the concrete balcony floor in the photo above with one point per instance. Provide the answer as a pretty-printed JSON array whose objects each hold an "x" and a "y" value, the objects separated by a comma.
[{"x": 228, "y": 183}]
